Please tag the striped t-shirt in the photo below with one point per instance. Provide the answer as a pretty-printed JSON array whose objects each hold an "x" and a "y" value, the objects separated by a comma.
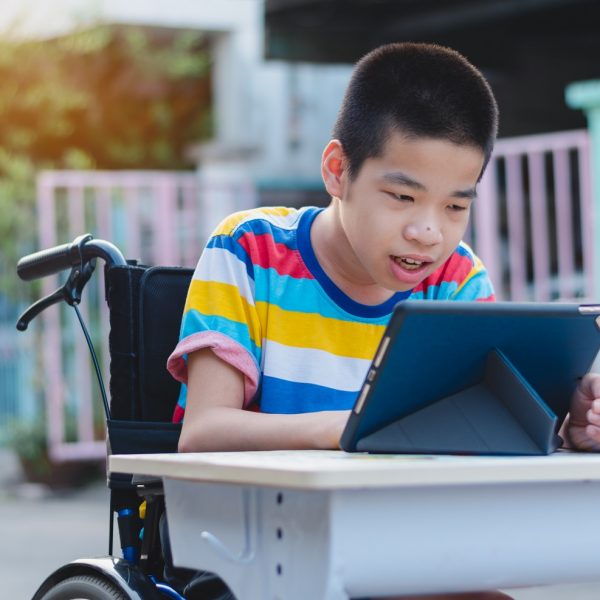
[{"x": 261, "y": 301}]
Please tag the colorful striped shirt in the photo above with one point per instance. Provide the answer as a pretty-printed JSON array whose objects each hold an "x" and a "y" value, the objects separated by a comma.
[{"x": 261, "y": 301}]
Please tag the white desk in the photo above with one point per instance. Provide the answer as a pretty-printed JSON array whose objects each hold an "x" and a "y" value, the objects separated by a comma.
[{"x": 330, "y": 525}]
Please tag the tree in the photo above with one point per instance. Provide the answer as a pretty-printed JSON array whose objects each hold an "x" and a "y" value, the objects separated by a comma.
[{"x": 108, "y": 97}]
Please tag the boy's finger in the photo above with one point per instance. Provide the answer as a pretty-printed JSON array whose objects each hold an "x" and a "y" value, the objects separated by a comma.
[
  {"x": 593, "y": 432},
  {"x": 593, "y": 417},
  {"x": 590, "y": 385}
]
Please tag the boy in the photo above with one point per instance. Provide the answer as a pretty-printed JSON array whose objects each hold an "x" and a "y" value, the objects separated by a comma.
[
  {"x": 277, "y": 290},
  {"x": 287, "y": 306}
]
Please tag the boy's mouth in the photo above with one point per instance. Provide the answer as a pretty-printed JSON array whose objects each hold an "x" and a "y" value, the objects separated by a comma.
[{"x": 411, "y": 263}]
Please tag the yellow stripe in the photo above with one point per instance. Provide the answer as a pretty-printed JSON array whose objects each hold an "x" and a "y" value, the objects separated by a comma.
[
  {"x": 224, "y": 300},
  {"x": 231, "y": 222},
  {"x": 302, "y": 330},
  {"x": 308, "y": 330}
]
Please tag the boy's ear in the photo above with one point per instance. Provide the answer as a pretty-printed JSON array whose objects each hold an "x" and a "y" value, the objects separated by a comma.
[{"x": 333, "y": 165}]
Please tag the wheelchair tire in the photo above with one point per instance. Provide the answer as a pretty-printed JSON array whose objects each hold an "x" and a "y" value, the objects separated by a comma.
[{"x": 85, "y": 587}]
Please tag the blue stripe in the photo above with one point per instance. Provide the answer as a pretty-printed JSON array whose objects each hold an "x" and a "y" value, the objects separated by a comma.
[
  {"x": 260, "y": 226},
  {"x": 463, "y": 251},
  {"x": 195, "y": 322},
  {"x": 302, "y": 295},
  {"x": 443, "y": 291},
  {"x": 479, "y": 286},
  {"x": 182, "y": 399},
  {"x": 341, "y": 299},
  {"x": 288, "y": 397}
]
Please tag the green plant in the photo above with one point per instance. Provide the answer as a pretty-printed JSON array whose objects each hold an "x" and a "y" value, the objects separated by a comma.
[
  {"x": 30, "y": 443},
  {"x": 28, "y": 439}
]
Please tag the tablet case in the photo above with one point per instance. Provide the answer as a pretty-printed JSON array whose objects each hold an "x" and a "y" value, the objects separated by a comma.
[{"x": 499, "y": 378}]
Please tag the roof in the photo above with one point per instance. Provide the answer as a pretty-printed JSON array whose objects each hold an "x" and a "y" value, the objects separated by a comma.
[
  {"x": 529, "y": 50},
  {"x": 343, "y": 30}
]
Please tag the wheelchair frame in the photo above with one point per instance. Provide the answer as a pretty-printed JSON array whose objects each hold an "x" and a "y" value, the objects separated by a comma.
[{"x": 145, "y": 307}]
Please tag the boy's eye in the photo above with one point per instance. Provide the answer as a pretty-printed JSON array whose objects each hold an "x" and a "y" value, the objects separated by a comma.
[
  {"x": 457, "y": 207},
  {"x": 402, "y": 197}
]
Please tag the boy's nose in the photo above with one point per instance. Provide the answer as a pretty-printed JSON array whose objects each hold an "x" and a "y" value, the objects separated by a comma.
[{"x": 427, "y": 234}]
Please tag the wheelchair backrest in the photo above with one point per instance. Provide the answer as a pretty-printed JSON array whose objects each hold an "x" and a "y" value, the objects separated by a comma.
[{"x": 145, "y": 305}]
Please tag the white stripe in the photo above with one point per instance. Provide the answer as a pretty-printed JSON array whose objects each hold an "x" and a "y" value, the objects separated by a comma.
[
  {"x": 288, "y": 221},
  {"x": 218, "y": 264},
  {"x": 308, "y": 365}
]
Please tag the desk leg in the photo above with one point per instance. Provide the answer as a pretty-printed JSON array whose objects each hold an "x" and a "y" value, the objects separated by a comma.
[{"x": 266, "y": 544}]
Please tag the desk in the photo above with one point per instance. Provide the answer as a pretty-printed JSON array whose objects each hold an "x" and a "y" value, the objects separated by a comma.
[{"x": 310, "y": 525}]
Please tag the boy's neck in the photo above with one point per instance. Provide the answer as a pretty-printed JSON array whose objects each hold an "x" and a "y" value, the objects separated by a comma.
[{"x": 338, "y": 260}]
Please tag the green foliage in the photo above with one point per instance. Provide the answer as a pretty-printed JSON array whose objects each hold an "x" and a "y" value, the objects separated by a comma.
[
  {"x": 29, "y": 438},
  {"x": 106, "y": 98},
  {"x": 28, "y": 441}
]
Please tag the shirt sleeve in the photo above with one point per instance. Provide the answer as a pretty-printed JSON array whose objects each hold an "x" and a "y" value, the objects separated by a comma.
[
  {"x": 220, "y": 312},
  {"x": 475, "y": 284},
  {"x": 462, "y": 277}
]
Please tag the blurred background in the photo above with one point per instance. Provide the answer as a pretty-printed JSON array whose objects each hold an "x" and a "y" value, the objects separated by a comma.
[{"x": 145, "y": 122}]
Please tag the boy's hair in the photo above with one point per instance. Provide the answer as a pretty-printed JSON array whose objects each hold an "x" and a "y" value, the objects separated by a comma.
[{"x": 418, "y": 90}]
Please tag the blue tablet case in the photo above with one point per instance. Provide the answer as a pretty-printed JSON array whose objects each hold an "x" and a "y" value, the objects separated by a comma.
[{"x": 473, "y": 378}]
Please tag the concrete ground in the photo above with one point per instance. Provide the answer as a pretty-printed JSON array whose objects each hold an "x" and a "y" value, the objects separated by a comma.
[{"x": 41, "y": 530}]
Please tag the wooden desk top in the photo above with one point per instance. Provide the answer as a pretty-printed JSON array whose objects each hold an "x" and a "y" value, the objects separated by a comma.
[{"x": 315, "y": 469}]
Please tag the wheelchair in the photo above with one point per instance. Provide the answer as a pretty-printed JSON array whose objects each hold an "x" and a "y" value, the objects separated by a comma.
[{"x": 145, "y": 307}]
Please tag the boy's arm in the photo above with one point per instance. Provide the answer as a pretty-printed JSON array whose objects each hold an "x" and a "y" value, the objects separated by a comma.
[{"x": 215, "y": 421}]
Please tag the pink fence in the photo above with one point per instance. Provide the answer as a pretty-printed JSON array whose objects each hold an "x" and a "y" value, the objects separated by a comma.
[
  {"x": 155, "y": 217},
  {"x": 531, "y": 226},
  {"x": 532, "y": 222}
]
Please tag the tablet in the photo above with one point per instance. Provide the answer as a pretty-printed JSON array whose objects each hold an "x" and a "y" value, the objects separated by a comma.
[{"x": 474, "y": 378}]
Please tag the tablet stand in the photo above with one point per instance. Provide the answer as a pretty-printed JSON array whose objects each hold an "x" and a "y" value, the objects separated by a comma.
[{"x": 502, "y": 414}]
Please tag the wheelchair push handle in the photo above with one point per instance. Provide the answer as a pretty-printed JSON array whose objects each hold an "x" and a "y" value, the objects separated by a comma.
[
  {"x": 80, "y": 256},
  {"x": 44, "y": 262},
  {"x": 53, "y": 260}
]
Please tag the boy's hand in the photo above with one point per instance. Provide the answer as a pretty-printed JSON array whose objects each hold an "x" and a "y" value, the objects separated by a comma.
[{"x": 583, "y": 427}]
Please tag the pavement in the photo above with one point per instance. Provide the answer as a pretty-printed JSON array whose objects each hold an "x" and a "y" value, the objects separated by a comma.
[{"x": 43, "y": 529}]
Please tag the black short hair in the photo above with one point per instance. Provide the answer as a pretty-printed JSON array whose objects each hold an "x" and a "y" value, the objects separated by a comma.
[{"x": 418, "y": 90}]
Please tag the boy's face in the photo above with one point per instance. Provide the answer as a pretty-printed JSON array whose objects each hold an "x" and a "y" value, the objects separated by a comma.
[{"x": 406, "y": 211}]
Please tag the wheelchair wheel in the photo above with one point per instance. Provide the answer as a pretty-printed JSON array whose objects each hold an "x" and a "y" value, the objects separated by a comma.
[{"x": 85, "y": 587}]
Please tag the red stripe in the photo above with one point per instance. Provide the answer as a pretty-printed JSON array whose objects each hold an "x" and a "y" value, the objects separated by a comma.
[
  {"x": 456, "y": 268},
  {"x": 491, "y": 298},
  {"x": 420, "y": 287},
  {"x": 178, "y": 414},
  {"x": 268, "y": 254}
]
